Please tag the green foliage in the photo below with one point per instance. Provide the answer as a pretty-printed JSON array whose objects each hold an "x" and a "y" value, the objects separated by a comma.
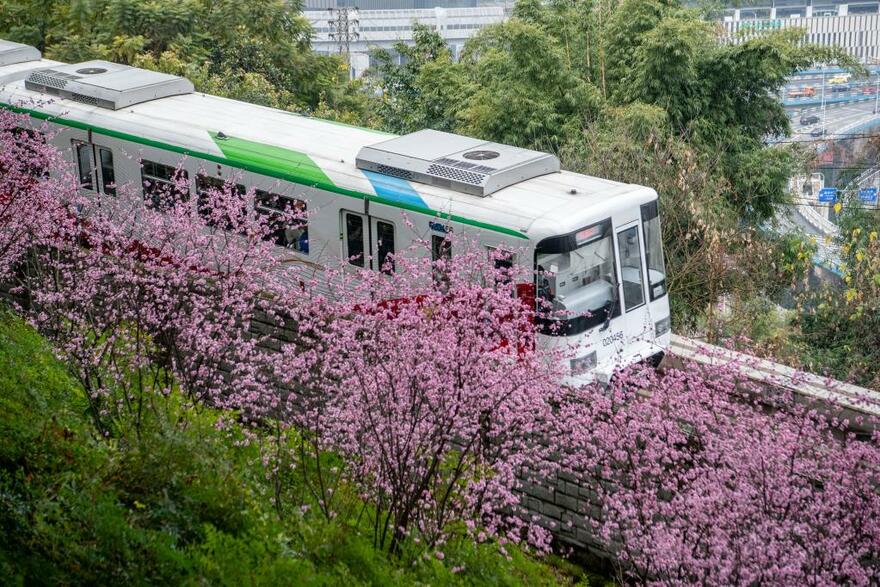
[
  {"x": 517, "y": 63},
  {"x": 723, "y": 96},
  {"x": 424, "y": 90},
  {"x": 254, "y": 51},
  {"x": 511, "y": 63},
  {"x": 840, "y": 326},
  {"x": 182, "y": 502}
]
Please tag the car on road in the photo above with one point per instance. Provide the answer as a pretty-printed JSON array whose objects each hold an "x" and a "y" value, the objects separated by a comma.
[
  {"x": 841, "y": 78},
  {"x": 805, "y": 92},
  {"x": 818, "y": 132},
  {"x": 869, "y": 90},
  {"x": 811, "y": 119},
  {"x": 840, "y": 88}
]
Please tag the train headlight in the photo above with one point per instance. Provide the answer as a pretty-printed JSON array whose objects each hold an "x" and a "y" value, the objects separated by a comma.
[
  {"x": 583, "y": 364},
  {"x": 661, "y": 327}
]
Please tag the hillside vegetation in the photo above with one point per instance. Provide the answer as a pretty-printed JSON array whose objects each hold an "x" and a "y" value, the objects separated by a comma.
[{"x": 176, "y": 506}]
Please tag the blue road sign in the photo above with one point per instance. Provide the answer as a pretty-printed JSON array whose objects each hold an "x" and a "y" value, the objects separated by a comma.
[
  {"x": 828, "y": 195},
  {"x": 868, "y": 195}
]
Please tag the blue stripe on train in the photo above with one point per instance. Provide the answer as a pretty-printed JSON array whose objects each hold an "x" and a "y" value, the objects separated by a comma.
[{"x": 395, "y": 189}]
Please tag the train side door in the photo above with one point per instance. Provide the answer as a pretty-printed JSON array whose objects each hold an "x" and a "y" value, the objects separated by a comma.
[
  {"x": 636, "y": 325},
  {"x": 368, "y": 242},
  {"x": 95, "y": 169},
  {"x": 382, "y": 244},
  {"x": 356, "y": 239}
]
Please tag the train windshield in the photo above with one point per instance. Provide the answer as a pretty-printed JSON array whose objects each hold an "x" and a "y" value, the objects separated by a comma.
[
  {"x": 654, "y": 250},
  {"x": 576, "y": 280}
]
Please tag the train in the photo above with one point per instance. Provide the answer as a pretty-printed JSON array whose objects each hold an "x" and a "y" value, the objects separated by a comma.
[{"x": 593, "y": 245}]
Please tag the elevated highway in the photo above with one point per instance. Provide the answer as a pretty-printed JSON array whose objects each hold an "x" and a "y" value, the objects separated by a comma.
[
  {"x": 828, "y": 115},
  {"x": 841, "y": 121}
]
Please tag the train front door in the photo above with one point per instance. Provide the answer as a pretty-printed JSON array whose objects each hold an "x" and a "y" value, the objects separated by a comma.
[{"x": 636, "y": 322}]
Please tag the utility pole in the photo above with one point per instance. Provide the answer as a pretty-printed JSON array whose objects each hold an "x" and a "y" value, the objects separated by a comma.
[
  {"x": 823, "y": 99},
  {"x": 876, "y": 61},
  {"x": 344, "y": 30},
  {"x": 877, "y": 92}
]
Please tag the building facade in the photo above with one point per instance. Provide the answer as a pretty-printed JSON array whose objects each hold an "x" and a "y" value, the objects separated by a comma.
[
  {"x": 830, "y": 24},
  {"x": 769, "y": 9},
  {"x": 341, "y": 29}
]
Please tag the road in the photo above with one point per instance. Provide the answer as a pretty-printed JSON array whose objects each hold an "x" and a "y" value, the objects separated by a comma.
[
  {"x": 841, "y": 120},
  {"x": 855, "y": 90},
  {"x": 844, "y": 114}
]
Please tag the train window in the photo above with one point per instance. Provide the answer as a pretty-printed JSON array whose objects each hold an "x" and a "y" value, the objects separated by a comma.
[
  {"x": 164, "y": 185},
  {"x": 654, "y": 250},
  {"x": 576, "y": 280},
  {"x": 108, "y": 175},
  {"x": 354, "y": 239},
  {"x": 385, "y": 246},
  {"x": 631, "y": 268},
  {"x": 208, "y": 187},
  {"x": 85, "y": 165},
  {"x": 285, "y": 233},
  {"x": 441, "y": 250},
  {"x": 503, "y": 263}
]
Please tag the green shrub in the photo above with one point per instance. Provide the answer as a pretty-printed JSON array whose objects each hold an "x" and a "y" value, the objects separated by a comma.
[{"x": 181, "y": 502}]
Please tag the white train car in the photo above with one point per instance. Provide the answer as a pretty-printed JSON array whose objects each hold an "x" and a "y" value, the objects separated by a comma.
[{"x": 593, "y": 244}]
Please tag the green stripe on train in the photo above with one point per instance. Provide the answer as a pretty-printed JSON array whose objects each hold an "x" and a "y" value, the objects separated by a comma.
[
  {"x": 277, "y": 159},
  {"x": 290, "y": 174}
]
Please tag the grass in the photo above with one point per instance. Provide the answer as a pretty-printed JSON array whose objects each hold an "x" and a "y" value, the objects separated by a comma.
[{"x": 179, "y": 505}]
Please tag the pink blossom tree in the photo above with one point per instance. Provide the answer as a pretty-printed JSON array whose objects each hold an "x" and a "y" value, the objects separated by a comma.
[
  {"x": 34, "y": 207},
  {"x": 144, "y": 300},
  {"x": 700, "y": 483},
  {"x": 426, "y": 381}
]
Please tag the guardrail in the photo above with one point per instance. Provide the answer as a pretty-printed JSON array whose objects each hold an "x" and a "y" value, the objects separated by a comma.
[
  {"x": 814, "y": 101},
  {"x": 817, "y": 221},
  {"x": 866, "y": 177},
  {"x": 831, "y": 70},
  {"x": 855, "y": 402}
]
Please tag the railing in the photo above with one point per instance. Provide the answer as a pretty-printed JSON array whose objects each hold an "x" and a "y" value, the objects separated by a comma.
[{"x": 854, "y": 401}]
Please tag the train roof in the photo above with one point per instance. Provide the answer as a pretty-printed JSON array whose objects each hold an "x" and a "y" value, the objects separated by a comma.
[{"x": 319, "y": 153}]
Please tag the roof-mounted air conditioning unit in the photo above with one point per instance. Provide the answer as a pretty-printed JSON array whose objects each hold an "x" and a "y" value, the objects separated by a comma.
[
  {"x": 105, "y": 84},
  {"x": 12, "y": 53},
  {"x": 457, "y": 162}
]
